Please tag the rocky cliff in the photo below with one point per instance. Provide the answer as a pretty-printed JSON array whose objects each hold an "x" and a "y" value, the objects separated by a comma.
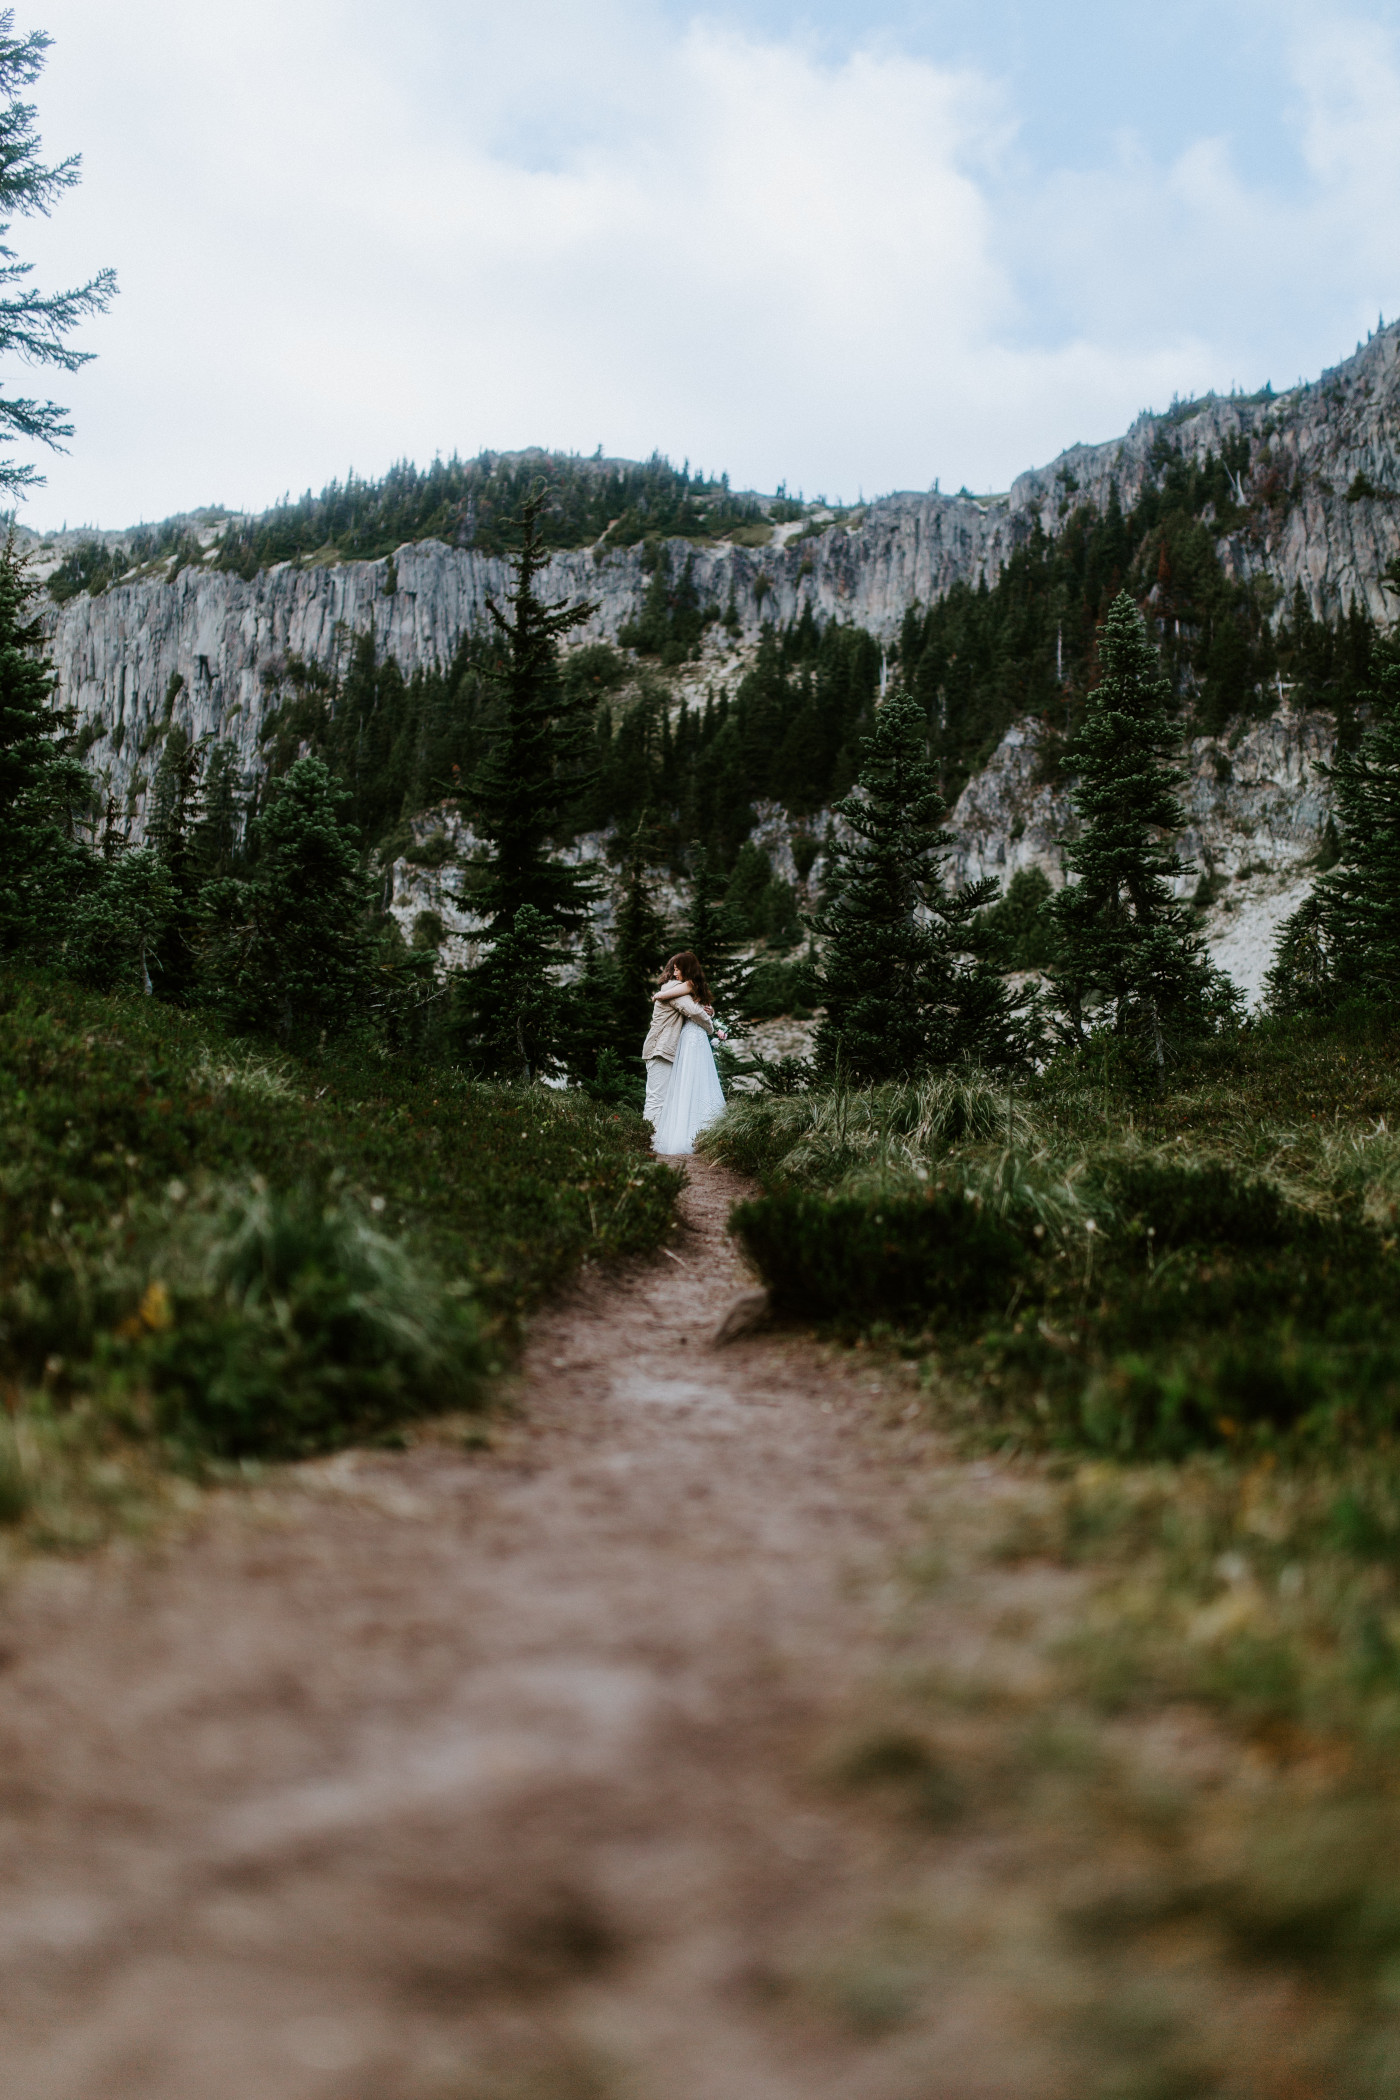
[
  {"x": 1317, "y": 486},
  {"x": 1257, "y": 809}
]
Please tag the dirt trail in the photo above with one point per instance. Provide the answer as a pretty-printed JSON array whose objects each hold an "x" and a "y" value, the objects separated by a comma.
[{"x": 440, "y": 1774}]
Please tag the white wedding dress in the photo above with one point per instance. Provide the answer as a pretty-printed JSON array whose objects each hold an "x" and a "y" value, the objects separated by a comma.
[{"x": 695, "y": 1097}]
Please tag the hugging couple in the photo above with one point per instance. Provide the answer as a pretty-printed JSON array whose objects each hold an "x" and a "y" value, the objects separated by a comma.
[{"x": 683, "y": 1089}]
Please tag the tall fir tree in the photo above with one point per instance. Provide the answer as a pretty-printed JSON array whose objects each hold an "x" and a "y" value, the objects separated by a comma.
[
  {"x": 34, "y": 325},
  {"x": 904, "y": 985},
  {"x": 287, "y": 949},
  {"x": 1344, "y": 939},
  {"x": 533, "y": 770},
  {"x": 43, "y": 788},
  {"x": 641, "y": 943},
  {"x": 173, "y": 832},
  {"x": 709, "y": 933},
  {"x": 1127, "y": 948},
  {"x": 520, "y": 797}
]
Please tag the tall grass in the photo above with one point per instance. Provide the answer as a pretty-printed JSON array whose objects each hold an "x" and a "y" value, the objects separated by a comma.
[
  {"x": 217, "y": 1252},
  {"x": 1217, "y": 1268}
]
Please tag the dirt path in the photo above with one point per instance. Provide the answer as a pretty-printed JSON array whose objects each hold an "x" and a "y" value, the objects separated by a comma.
[{"x": 441, "y": 1774}]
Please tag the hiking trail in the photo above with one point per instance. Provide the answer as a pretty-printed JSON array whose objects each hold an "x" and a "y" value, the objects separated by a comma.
[{"x": 447, "y": 1773}]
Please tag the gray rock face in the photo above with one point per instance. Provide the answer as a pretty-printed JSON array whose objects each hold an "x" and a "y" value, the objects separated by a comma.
[
  {"x": 1307, "y": 449},
  {"x": 210, "y": 650},
  {"x": 227, "y": 642},
  {"x": 1257, "y": 811}
]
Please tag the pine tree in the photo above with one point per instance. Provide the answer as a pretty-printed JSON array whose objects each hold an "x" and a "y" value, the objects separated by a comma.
[
  {"x": 640, "y": 947},
  {"x": 1126, "y": 944},
  {"x": 602, "y": 1048},
  {"x": 521, "y": 1009},
  {"x": 33, "y": 325},
  {"x": 219, "y": 829},
  {"x": 533, "y": 769},
  {"x": 287, "y": 949},
  {"x": 709, "y": 933},
  {"x": 43, "y": 788},
  {"x": 173, "y": 831},
  {"x": 116, "y": 932},
  {"x": 1344, "y": 939},
  {"x": 904, "y": 987}
]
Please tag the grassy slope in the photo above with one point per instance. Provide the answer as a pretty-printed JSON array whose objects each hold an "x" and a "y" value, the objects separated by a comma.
[
  {"x": 208, "y": 1250},
  {"x": 1245, "y": 1568}
]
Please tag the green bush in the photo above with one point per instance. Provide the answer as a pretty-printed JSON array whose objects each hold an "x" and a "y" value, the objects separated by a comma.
[
  {"x": 776, "y": 987},
  {"x": 272, "y": 1325},
  {"x": 903, "y": 1258},
  {"x": 404, "y": 1226},
  {"x": 1021, "y": 934}
]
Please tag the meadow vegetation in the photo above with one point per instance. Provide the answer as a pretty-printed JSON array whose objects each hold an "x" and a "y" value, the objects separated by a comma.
[
  {"x": 1172, "y": 1320},
  {"x": 217, "y": 1253}
]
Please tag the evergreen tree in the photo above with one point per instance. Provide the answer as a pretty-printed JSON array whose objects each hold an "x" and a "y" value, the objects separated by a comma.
[
  {"x": 904, "y": 988},
  {"x": 1302, "y": 978},
  {"x": 532, "y": 771},
  {"x": 42, "y": 786},
  {"x": 118, "y": 928},
  {"x": 287, "y": 948},
  {"x": 218, "y": 831},
  {"x": 601, "y": 1054},
  {"x": 520, "y": 1010},
  {"x": 1124, "y": 939},
  {"x": 640, "y": 947},
  {"x": 709, "y": 933},
  {"x": 1344, "y": 940},
  {"x": 173, "y": 831},
  {"x": 34, "y": 325}
]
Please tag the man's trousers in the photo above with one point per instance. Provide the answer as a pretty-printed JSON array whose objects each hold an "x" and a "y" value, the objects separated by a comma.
[{"x": 658, "y": 1087}]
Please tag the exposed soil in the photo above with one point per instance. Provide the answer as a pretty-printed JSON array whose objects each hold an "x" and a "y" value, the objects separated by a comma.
[{"x": 569, "y": 1767}]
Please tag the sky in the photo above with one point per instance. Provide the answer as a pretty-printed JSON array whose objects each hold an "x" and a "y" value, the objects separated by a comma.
[{"x": 848, "y": 249}]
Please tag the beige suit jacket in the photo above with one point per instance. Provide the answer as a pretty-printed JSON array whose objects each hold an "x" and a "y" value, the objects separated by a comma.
[{"x": 668, "y": 1018}]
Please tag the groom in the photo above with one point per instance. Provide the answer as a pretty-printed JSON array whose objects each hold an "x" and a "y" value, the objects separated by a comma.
[{"x": 672, "y": 1006}]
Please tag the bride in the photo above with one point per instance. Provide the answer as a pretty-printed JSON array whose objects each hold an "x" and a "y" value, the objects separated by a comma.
[{"x": 694, "y": 1097}]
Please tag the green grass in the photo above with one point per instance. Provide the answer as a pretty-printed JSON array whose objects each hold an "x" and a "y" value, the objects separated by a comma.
[
  {"x": 1192, "y": 1366},
  {"x": 208, "y": 1251},
  {"x": 1215, "y": 1268}
]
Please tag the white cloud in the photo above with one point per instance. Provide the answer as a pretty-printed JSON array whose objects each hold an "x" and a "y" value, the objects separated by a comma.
[{"x": 566, "y": 226}]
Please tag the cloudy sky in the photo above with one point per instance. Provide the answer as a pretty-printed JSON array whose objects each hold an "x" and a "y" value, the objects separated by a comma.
[{"x": 852, "y": 249}]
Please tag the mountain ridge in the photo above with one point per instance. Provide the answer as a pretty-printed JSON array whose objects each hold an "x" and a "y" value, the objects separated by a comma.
[{"x": 1307, "y": 501}]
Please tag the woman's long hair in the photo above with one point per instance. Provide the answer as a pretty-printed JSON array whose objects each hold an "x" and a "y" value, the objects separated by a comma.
[{"x": 689, "y": 967}]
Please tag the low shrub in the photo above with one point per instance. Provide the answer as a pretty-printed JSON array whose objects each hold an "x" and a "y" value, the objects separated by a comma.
[
  {"x": 1216, "y": 1281},
  {"x": 939, "y": 1254},
  {"x": 250, "y": 1255},
  {"x": 273, "y": 1325}
]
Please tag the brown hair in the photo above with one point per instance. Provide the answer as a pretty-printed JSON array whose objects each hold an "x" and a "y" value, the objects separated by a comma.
[{"x": 689, "y": 967}]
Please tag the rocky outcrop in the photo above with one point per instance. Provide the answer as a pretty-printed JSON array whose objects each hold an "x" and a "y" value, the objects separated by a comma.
[
  {"x": 211, "y": 650},
  {"x": 1317, "y": 503},
  {"x": 1257, "y": 809}
]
